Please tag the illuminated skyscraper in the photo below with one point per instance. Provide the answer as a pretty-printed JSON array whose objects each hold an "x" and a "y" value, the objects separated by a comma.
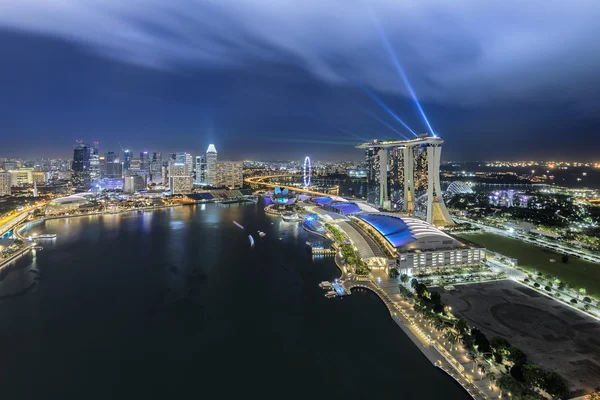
[
  {"x": 144, "y": 160},
  {"x": 229, "y": 174},
  {"x": 113, "y": 166},
  {"x": 419, "y": 181},
  {"x": 81, "y": 165},
  {"x": 211, "y": 165},
  {"x": 94, "y": 162},
  {"x": 200, "y": 170},
  {"x": 126, "y": 162}
]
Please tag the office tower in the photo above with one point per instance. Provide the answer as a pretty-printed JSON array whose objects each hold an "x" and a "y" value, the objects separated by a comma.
[
  {"x": 200, "y": 170},
  {"x": 180, "y": 182},
  {"x": 39, "y": 177},
  {"x": 134, "y": 183},
  {"x": 21, "y": 177},
  {"x": 144, "y": 161},
  {"x": 126, "y": 162},
  {"x": 187, "y": 160},
  {"x": 94, "y": 162},
  {"x": 10, "y": 165},
  {"x": 114, "y": 168},
  {"x": 5, "y": 185},
  {"x": 155, "y": 173},
  {"x": 81, "y": 164},
  {"x": 211, "y": 165},
  {"x": 229, "y": 174},
  {"x": 420, "y": 160}
]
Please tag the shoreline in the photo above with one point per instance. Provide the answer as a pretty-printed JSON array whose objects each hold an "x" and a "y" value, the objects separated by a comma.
[{"x": 405, "y": 327}]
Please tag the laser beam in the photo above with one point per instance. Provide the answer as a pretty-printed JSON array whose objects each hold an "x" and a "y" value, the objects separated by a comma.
[
  {"x": 394, "y": 59},
  {"x": 379, "y": 119},
  {"x": 385, "y": 107}
]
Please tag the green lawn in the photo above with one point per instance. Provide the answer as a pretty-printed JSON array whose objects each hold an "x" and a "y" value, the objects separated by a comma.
[{"x": 579, "y": 273}]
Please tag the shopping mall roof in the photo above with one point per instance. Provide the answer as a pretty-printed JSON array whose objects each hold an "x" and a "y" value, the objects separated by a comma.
[
  {"x": 407, "y": 233},
  {"x": 345, "y": 208}
]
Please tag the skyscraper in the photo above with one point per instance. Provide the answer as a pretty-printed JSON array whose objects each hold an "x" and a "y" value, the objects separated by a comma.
[
  {"x": 229, "y": 174},
  {"x": 81, "y": 164},
  {"x": 420, "y": 160},
  {"x": 114, "y": 168},
  {"x": 179, "y": 181},
  {"x": 94, "y": 162},
  {"x": 145, "y": 160},
  {"x": 156, "y": 168},
  {"x": 126, "y": 162},
  {"x": 211, "y": 165},
  {"x": 5, "y": 187},
  {"x": 200, "y": 170}
]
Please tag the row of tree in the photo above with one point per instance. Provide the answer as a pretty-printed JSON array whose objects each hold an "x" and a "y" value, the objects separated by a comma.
[{"x": 524, "y": 381}]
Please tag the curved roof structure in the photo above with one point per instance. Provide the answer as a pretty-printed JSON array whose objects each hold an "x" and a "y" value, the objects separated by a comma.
[
  {"x": 345, "y": 208},
  {"x": 406, "y": 233},
  {"x": 459, "y": 187},
  {"x": 322, "y": 200}
]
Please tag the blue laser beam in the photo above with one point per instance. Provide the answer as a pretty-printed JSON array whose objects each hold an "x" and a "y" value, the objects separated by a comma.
[
  {"x": 379, "y": 119},
  {"x": 386, "y": 108},
  {"x": 394, "y": 59}
]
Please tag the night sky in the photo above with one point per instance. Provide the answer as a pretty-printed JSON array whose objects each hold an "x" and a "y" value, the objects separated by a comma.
[{"x": 278, "y": 79}]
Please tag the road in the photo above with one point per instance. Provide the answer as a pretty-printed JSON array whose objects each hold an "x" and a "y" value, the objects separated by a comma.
[
  {"x": 537, "y": 241},
  {"x": 259, "y": 180}
]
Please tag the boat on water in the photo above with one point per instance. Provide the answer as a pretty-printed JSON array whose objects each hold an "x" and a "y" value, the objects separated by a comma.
[
  {"x": 552, "y": 260},
  {"x": 238, "y": 225},
  {"x": 47, "y": 236},
  {"x": 261, "y": 234},
  {"x": 330, "y": 294},
  {"x": 251, "y": 240},
  {"x": 289, "y": 216},
  {"x": 325, "y": 285}
]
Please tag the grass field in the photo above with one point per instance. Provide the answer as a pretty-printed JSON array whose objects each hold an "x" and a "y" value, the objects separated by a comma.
[{"x": 579, "y": 273}]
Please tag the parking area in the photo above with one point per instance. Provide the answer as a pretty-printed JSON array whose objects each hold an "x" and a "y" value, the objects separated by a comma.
[{"x": 551, "y": 334}]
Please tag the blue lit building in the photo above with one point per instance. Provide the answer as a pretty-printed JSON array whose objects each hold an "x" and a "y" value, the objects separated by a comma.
[{"x": 417, "y": 244}]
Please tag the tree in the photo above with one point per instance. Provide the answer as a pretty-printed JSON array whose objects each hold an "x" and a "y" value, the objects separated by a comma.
[
  {"x": 393, "y": 273},
  {"x": 587, "y": 299},
  {"x": 482, "y": 343},
  {"x": 436, "y": 298},
  {"x": 533, "y": 375},
  {"x": 537, "y": 285},
  {"x": 462, "y": 326},
  {"x": 555, "y": 385},
  {"x": 516, "y": 356},
  {"x": 414, "y": 283},
  {"x": 565, "y": 258},
  {"x": 574, "y": 301},
  {"x": 498, "y": 343},
  {"x": 508, "y": 384},
  {"x": 404, "y": 278},
  {"x": 547, "y": 288}
]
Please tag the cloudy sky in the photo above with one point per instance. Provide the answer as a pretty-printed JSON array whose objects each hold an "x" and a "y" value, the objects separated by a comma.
[{"x": 276, "y": 79}]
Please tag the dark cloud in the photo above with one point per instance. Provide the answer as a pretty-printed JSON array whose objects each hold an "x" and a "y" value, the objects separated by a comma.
[{"x": 493, "y": 73}]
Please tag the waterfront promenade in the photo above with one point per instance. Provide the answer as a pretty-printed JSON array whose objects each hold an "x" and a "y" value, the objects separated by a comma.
[{"x": 453, "y": 361}]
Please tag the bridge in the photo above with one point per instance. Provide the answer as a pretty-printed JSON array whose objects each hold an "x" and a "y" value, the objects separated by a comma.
[{"x": 260, "y": 180}]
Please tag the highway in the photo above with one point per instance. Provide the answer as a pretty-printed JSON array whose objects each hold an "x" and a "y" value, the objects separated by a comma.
[{"x": 538, "y": 241}]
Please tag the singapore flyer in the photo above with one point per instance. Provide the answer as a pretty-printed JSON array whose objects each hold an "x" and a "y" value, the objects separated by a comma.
[{"x": 307, "y": 172}]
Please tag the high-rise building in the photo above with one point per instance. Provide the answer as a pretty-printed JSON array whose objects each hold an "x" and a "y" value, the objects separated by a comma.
[
  {"x": 134, "y": 183},
  {"x": 114, "y": 168},
  {"x": 420, "y": 162},
  {"x": 187, "y": 160},
  {"x": 5, "y": 186},
  {"x": 156, "y": 168},
  {"x": 229, "y": 174},
  {"x": 144, "y": 160},
  {"x": 81, "y": 165},
  {"x": 126, "y": 162},
  {"x": 21, "y": 177},
  {"x": 94, "y": 162},
  {"x": 180, "y": 182},
  {"x": 200, "y": 170},
  {"x": 211, "y": 165}
]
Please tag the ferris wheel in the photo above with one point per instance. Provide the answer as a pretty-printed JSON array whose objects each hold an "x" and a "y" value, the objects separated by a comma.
[{"x": 306, "y": 172}]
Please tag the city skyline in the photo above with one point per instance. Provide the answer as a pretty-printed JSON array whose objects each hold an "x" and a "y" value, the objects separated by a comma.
[{"x": 257, "y": 91}]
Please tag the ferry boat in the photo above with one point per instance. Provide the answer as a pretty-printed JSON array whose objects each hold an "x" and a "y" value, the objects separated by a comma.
[
  {"x": 47, "y": 236},
  {"x": 290, "y": 216},
  {"x": 261, "y": 234},
  {"x": 325, "y": 285},
  {"x": 330, "y": 294},
  {"x": 251, "y": 240}
]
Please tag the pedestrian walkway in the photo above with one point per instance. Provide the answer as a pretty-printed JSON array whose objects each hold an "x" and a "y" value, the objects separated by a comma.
[{"x": 367, "y": 248}]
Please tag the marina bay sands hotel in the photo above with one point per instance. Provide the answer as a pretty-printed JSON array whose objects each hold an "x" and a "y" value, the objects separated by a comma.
[{"x": 405, "y": 174}]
